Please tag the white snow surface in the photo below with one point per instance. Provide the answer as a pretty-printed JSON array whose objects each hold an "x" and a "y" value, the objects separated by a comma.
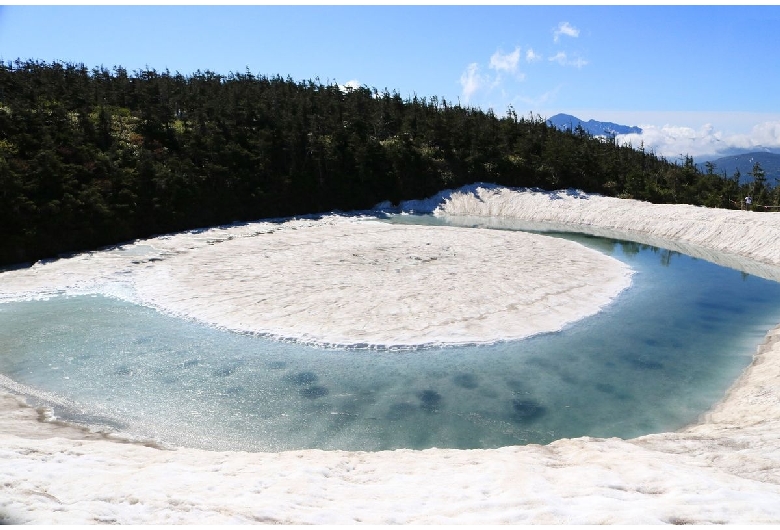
[
  {"x": 724, "y": 469},
  {"x": 348, "y": 281}
]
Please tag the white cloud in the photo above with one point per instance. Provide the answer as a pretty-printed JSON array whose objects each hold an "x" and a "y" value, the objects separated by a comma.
[
  {"x": 471, "y": 81},
  {"x": 500, "y": 74},
  {"x": 673, "y": 141},
  {"x": 766, "y": 134},
  {"x": 559, "y": 57},
  {"x": 505, "y": 62},
  {"x": 562, "y": 59},
  {"x": 531, "y": 56},
  {"x": 564, "y": 28}
]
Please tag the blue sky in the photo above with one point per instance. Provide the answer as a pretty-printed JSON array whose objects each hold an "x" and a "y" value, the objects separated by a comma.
[{"x": 696, "y": 78}]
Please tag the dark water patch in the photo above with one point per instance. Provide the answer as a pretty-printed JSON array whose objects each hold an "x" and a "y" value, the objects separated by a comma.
[
  {"x": 606, "y": 388},
  {"x": 735, "y": 308},
  {"x": 467, "y": 381},
  {"x": 644, "y": 363},
  {"x": 568, "y": 378},
  {"x": 612, "y": 391},
  {"x": 400, "y": 411},
  {"x": 314, "y": 392},
  {"x": 525, "y": 410},
  {"x": 714, "y": 318},
  {"x": 664, "y": 344},
  {"x": 543, "y": 362},
  {"x": 224, "y": 372},
  {"x": 302, "y": 378},
  {"x": 430, "y": 400},
  {"x": 124, "y": 371},
  {"x": 516, "y": 386}
]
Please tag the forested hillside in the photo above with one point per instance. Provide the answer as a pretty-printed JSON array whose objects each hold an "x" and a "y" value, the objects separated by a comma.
[
  {"x": 96, "y": 157},
  {"x": 769, "y": 162}
]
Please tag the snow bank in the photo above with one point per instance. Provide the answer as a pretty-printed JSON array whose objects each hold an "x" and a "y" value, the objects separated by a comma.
[
  {"x": 724, "y": 236},
  {"x": 725, "y": 469}
]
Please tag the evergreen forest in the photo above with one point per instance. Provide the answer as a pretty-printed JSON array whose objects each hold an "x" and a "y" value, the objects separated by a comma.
[{"x": 95, "y": 157}]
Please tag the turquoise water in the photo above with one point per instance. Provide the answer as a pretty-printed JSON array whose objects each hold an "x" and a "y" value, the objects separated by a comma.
[{"x": 653, "y": 361}]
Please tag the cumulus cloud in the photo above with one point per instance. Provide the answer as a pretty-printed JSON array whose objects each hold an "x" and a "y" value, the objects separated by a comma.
[
  {"x": 564, "y": 28},
  {"x": 672, "y": 141},
  {"x": 502, "y": 71},
  {"x": 531, "y": 56},
  {"x": 767, "y": 134},
  {"x": 506, "y": 62}
]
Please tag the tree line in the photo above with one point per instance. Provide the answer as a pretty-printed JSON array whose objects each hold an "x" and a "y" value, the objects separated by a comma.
[{"x": 94, "y": 157}]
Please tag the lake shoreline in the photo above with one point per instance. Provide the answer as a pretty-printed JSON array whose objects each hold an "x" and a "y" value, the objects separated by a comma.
[{"x": 723, "y": 469}]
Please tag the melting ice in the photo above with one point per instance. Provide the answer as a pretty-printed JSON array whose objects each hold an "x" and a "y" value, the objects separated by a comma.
[{"x": 652, "y": 361}]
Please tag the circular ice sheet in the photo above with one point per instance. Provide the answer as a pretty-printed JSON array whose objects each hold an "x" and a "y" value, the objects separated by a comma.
[{"x": 364, "y": 282}]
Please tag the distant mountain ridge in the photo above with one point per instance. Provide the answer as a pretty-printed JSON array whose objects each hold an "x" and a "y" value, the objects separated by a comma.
[
  {"x": 567, "y": 122},
  {"x": 770, "y": 163},
  {"x": 728, "y": 161}
]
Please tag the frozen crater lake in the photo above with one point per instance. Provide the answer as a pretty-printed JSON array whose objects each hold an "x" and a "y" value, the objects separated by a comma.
[
  {"x": 676, "y": 347},
  {"x": 300, "y": 335}
]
